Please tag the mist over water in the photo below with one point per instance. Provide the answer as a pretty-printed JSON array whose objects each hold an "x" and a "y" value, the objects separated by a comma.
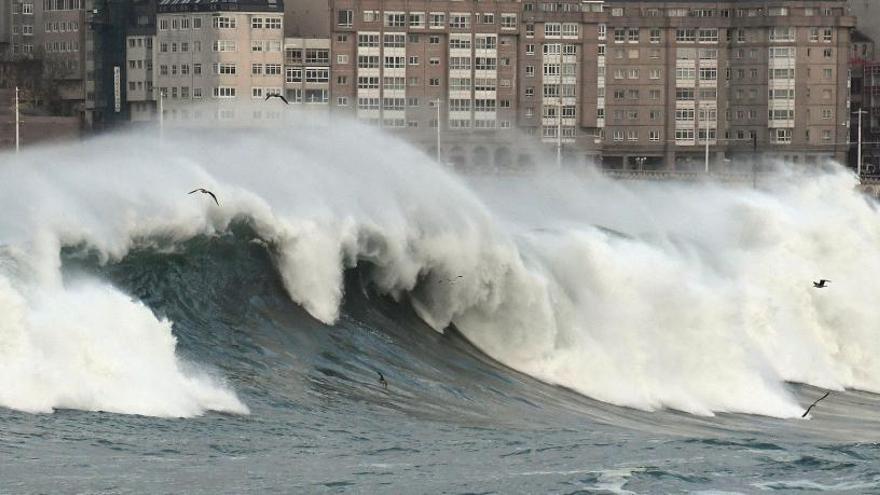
[{"x": 693, "y": 297}]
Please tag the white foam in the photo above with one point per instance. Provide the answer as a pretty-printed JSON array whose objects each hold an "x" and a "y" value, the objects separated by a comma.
[{"x": 705, "y": 306}]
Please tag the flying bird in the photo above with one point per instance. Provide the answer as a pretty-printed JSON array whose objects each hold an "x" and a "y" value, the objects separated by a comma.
[
  {"x": 205, "y": 191},
  {"x": 277, "y": 95},
  {"x": 450, "y": 280},
  {"x": 821, "y": 284},
  {"x": 382, "y": 380},
  {"x": 813, "y": 404}
]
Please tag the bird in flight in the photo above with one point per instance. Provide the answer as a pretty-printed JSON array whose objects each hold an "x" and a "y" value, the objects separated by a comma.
[
  {"x": 813, "y": 404},
  {"x": 450, "y": 280},
  {"x": 277, "y": 95},
  {"x": 821, "y": 284},
  {"x": 382, "y": 380},
  {"x": 205, "y": 191}
]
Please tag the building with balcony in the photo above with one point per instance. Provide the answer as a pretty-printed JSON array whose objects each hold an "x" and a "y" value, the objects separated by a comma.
[
  {"x": 630, "y": 83},
  {"x": 217, "y": 54}
]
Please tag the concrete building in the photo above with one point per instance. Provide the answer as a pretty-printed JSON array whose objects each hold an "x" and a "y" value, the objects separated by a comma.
[
  {"x": 42, "y": 48},
  {"x": 641, "y": 83},
  {"x": 218, "y": 53}
]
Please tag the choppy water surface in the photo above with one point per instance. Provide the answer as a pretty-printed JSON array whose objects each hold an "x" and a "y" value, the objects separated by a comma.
[{"x": 535, "y": 339}]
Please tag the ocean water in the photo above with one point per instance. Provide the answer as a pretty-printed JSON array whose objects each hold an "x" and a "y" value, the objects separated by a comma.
[{"x": 546, "y": 332}]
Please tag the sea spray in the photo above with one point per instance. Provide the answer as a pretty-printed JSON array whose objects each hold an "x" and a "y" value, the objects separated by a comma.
[{"x": 702, "y": 302}]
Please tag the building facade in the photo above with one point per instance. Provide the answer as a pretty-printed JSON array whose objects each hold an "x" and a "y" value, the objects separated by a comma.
[
  {"x": 643, "y": 84},
  {"x": 219, "y": 53}
]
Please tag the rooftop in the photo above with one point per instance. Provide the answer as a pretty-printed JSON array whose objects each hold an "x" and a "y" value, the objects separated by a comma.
[{"x": 171, "y": 6}]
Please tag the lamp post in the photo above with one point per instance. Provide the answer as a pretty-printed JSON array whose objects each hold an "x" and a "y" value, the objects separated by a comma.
[
  {"x": 706, "y": 113},
  {"x": 437, "y": 105},
  {"x": 860, "y": 112},
  {"x": 161, "y": 112},
  {"x": 17, "y": 123}
]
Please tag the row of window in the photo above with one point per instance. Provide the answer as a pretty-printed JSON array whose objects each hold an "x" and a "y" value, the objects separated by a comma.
[
  {"x": 398, "y": 40},
  {"x": 218, "y": 22},
  {"x": 775, "y": 11},
  {"x": 62, "y": 46},
  {"x": 50, "y": 5},
  {"x": 230, "y": 46},
  {"x": 316, "y": 56},
  {"x": 433, "y": 20},
  {"x": 62, "y": 27}
]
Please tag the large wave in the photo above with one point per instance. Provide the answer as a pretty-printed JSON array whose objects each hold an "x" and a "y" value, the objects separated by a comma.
[{"x": 692, "y": 297}]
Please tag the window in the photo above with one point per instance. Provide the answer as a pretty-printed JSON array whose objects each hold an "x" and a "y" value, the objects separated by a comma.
[
  {"x": 777, "y": 11},
  {"x": 460, "y": 43},
  {"x": 654, "y": 136},
  {"x": 417, "y": 20},
  {"x": 685, "y": 35},
  {"x": 485, "y": 63},
  {"x": 315, "y": 74},
  {"x": 778, "y": 33},
  {"x": 342, "y": 101},
  {"x": 224, "y": 22},
  {"x": 395, "y": 19},
  {"x": 437, "y": 20},
  {"x": 707, "y": 35},
  {"x": 317, "y": 56},
  {"x": 552, "y": 30},
  {"x": 460, "y": 21},
  {"x": 684, "y": 134},
  {"x": 684, "y": 115},
  {"x": 273, "y": 23},
  {"x": 371, "y": 15},
  {"x": 224, "y": 92},
  {"x": 394, "y": 40},
  {"x": 224, "y": 46},
  {"x": 632, "y": 35},
  {"x": 685, "y": 73},
  {"x": 654, "y": 73},
  {"x": 344, "y": 18},
  {"x": 655, "y": 35},
  {"x": 780, "y": 136},
  {"x": 508, "y": 21},
  {"x": 684, "y": 94}
]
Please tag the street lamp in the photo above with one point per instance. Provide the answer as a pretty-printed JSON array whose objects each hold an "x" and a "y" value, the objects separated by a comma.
[
  {"x": 17, "y": 123},
  {"x": 437, "y": 105},
  {"x": 859, "y": 112}
]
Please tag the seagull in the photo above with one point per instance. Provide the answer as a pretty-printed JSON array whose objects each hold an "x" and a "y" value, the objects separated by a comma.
[
  {"x": 205, "y": 191},
  {"x": 821, "y": 284},
  {"x": 382, "y": 380},
  {"x": 277, "y": 95},
  {"x": 450, "y": 280},
  {"x": 813, "y": 404}
]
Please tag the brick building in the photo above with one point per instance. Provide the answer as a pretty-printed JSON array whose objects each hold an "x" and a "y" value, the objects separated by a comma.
[{"x": 643, "y": 84}]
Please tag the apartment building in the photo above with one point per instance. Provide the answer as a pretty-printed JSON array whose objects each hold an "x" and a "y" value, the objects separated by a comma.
[
  {"x": 639, "y": 83},
  {"x": 139, "y": 94},
  {"x": 217, "y": 54},
  {"x": 44, "y": 45}
]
